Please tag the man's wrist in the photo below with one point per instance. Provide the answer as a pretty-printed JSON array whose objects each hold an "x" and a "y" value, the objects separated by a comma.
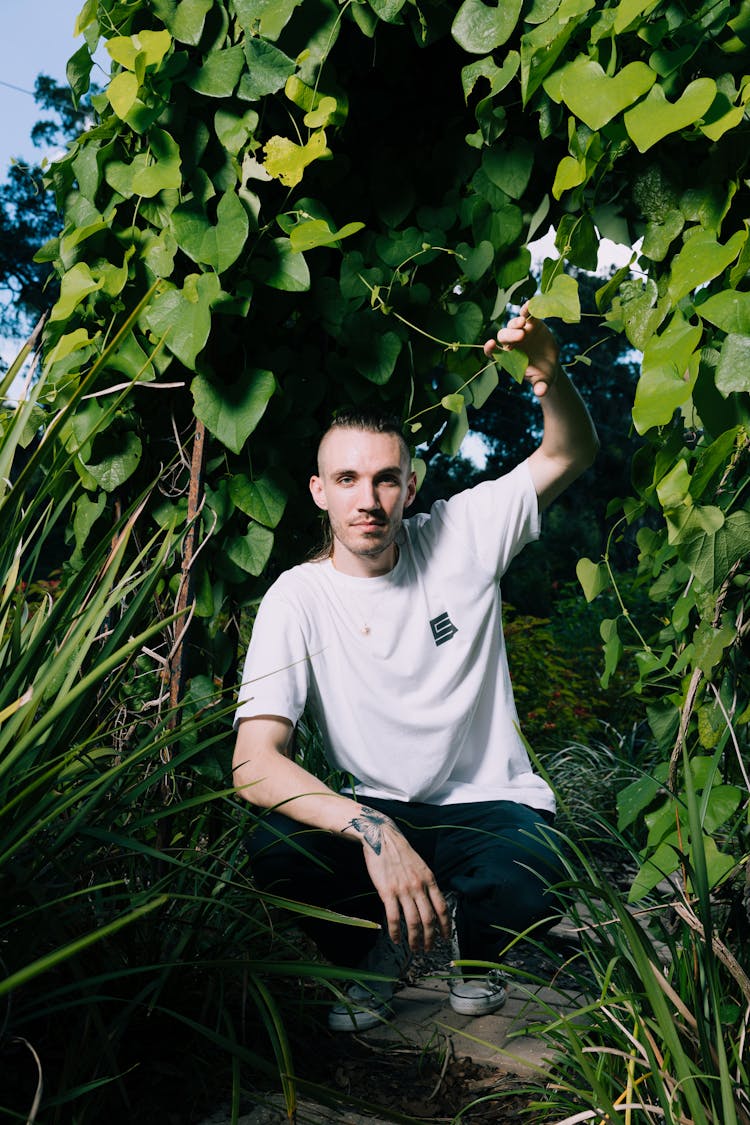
[{"x": 369, "y": 825}]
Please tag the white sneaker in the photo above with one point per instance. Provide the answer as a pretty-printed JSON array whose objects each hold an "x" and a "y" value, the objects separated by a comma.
[
  {"x": 368, "y": 1003},
  {"x": 363, "y": 1008},
  {"x": 478, "y": 996}
]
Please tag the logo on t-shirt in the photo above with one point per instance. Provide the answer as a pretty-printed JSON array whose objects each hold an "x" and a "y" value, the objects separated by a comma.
[{"x": 442, "y": 629}]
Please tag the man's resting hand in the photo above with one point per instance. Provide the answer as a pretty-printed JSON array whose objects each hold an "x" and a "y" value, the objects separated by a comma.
[{"x": 402, "y": 879}]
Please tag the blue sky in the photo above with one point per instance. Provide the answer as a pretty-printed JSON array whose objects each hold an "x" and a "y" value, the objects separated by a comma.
[{"x": 36, "y": 37}]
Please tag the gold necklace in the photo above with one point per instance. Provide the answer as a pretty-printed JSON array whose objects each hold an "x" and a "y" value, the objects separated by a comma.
[{"x": 365, "y": 628}]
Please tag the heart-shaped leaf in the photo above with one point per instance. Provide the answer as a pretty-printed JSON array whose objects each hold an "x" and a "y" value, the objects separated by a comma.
[
  {"x": 122, "y": 93},
  {"x": 560, "y": 300},
  {"x": 252, "y": 551},
  {"x": 480, "y": 28},
  {"x": 661, "y": 233},
  {"x": 595, "y": 98},
  {"x": 475, "y": 260},
  {"x": 286, "y": 161},
  {"x": 117, "y": 456},
  {"x": 510, "y": 168},
  {"x": 669, "y": 371},
  {"x": 216, "y": 244},
  {"x": 267, "y": 69},
  {"x": 182, "y": 317},
  {"x": 231, "y": 411},
  {"x": 219, "y": 74},
  {"x": 733, "y": 370},
  {"x": 269, "y": 17},
  {"x": 316, "y": 232},
  {"x": 593, "y": 578},
  {"x": 263, "y": 499},
  {"x": 701, "y": 259},
  {"x": 729, "y": 311},
  {"x": 281, "y": 268},
  {"x": 184, "y": 18},
  {"x": 75, "y": 286},
  {"x": 455, "y": 403},
  {"x": 656, "y": 117}
]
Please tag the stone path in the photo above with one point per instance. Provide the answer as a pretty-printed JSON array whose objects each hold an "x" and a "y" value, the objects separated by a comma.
[{"x": 422, "y": 1012}]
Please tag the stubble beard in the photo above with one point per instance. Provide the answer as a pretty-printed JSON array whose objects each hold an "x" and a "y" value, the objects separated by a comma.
[{"x": 380, "y": 543}]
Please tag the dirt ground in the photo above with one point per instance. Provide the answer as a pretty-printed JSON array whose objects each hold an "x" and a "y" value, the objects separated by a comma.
[{"x": 433, "y": 1085}]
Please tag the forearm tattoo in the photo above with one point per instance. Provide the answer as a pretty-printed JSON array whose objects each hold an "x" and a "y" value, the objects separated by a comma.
[{"x": 370, "y": 824}]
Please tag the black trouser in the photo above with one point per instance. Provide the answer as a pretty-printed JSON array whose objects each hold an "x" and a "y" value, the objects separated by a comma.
[{"x": 494, "y": 855}]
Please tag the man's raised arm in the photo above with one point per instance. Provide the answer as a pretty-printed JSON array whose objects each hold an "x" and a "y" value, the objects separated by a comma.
[
  {"x": 569, "y": 443},
  {"x": 265, "y": 775}
]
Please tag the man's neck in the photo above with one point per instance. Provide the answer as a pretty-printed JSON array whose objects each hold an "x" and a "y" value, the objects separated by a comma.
[{"x": 364, "y": 566}]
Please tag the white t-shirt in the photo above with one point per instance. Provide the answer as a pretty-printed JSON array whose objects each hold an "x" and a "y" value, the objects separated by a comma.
[{"x": 407, "y": 673}]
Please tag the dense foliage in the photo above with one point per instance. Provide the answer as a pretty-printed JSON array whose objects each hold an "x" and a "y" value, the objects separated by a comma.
[{"x": 333, "y": 203}]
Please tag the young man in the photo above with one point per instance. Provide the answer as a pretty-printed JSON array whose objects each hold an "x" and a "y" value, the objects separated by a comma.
[{"x": 395, "y": 643}]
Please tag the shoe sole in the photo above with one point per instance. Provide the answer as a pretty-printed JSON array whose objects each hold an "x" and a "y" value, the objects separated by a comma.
[
  {"x": 468, "y": 1006},
  {"x": 358, "y": 1021}
]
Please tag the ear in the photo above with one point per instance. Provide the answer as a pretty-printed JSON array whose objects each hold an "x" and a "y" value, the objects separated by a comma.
[
  {"x": 318, "y": 492},
  {"x": 411, "y": 489}
]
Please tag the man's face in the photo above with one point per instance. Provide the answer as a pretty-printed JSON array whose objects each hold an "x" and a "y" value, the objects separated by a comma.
[{"x": 364, "y": 483}]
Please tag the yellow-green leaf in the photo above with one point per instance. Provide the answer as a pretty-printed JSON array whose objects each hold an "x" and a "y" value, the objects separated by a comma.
[
  {"x": 656, "y": 117},
  {"x": 76, "y": 284},
  {"x": 286, "y": 161},
  {"x": 122, "y": 93},
  {"x": 560, "y": 300},
  {"x": 596, "y": 98}
]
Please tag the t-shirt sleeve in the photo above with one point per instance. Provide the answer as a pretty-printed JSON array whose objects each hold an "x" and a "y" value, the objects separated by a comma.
[
  {"x": 275, "y": 678},
  {"x": 495, "y": 519}
]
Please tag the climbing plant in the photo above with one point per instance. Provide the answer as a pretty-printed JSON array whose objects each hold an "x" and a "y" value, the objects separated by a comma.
[{"x": 333, "y": 202}]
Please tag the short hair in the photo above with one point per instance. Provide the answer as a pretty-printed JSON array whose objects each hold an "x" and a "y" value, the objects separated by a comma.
[{"x": 370, "y": 419}]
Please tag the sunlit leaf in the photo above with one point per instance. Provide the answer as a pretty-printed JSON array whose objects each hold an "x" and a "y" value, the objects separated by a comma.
[
  {"x": 480, "y": 28},
  {"x": 455, "y": 403},
  {"x": 596, "y": 98},
  {"x": 286, "y": 161},
  {"x": 560, "y": 300},
  {"x": 593, "y": 577},
  {"x": 122, "y": 93},
  {"x": 669, "y": 371},
  {"x": 182, "y": 317},
  {"x": 729, "y": 311},
  {"x": 75, "y": 286},
  {"x": 316, "y": 232},
  {"x": 701, "y": 259},
  {"x": 655, "y": 117},
  {"x": 733, "y": 370}
]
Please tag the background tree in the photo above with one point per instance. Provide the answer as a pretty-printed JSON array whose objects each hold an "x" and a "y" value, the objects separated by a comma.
[{"x": 29, "y": 214}]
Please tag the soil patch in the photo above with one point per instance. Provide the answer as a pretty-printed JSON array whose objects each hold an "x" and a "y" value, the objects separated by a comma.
[{"x": 433, "y": 1084}]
